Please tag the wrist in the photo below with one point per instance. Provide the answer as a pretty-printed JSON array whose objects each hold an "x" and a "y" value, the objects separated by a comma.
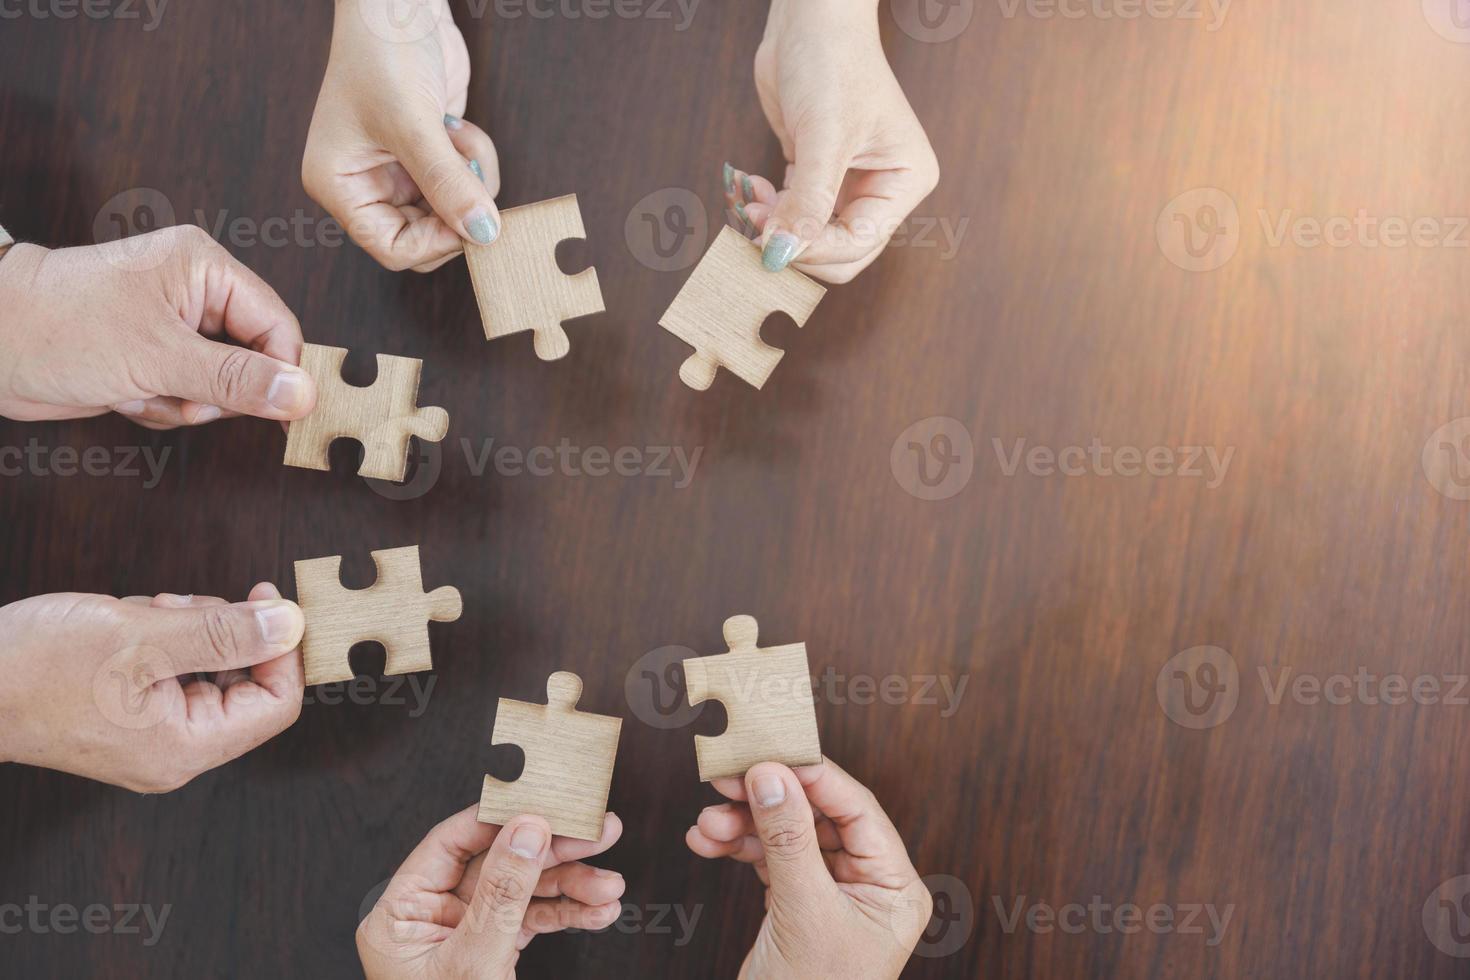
[{"x": 18, "y": 265}]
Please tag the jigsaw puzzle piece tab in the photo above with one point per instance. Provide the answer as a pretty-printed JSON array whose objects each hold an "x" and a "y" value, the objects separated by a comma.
[
  {"x": 518, "y": 285},
  {"x": 767, "y": 694},
  {"x": 394, "y": 611},
  {"x": 382, "y": 416},
  {"x": 720, "y": 310},
  {"x": 569, "y": 761}
]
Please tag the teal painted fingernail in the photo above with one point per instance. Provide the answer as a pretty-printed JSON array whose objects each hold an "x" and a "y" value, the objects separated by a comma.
[
  {"x": 452, "y": 122},
  {"x": 729, "y": 179},
  {"x": 747, "y": 190},
  {"x": 475, "y": 168},
  {"x": 779, "y": 251},
  {"x": 481, "y": 226},
  {"x": 740, "y": 210}
]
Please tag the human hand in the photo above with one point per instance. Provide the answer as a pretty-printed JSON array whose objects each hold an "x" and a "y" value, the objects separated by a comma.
[
  {"x": 106, "y": 688},
  {"x": 473, "y": 895},
  {"x": 89, "y": 330},
  {"x": 387, "y": 153},
  {"x": 842, "y": 898},
  {"x": 857, "y": 159}
]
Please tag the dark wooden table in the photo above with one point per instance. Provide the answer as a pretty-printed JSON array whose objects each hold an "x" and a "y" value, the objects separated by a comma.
[{"x": 1068, "y": 312}]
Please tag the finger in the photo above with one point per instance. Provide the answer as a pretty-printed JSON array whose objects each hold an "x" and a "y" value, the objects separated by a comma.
[
  {"x": 225, "y": 299},
  {"x": 461, "y": 200},
  {"x": 867, "y": 834},
  {"x": 171, "y": 600},
  {"x": 439, "y": 862},
  {"x": 732, "y": 821},
  {"x": 286, "y": 675},
  {"x": 488, "y": 936},
  {"x": 734, "y": 788},
  {"x": 582, "y": 883},
  {"x": 563, "y": 850},
  {"x": 553, "y": 915},
  {"x": 746, "y": 850},
  {"x": 403, "y": 237},
  {"x": 218, "y": 637},
  {"x": 787, "y": 830},
  {"x": 475, "y": 145},
  {"x": 226, "y": 377},
  {"x": 820, "y": 165},
  {"x": 166, "y": 411}
]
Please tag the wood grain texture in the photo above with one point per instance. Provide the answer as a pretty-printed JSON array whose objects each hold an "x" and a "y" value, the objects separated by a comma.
[
  {"x": 767, "y": 694},
  {"x": 1049, "y": 314},
  {"x": 720, "y": 310},
  {"x": 382, "y": 416},
  {"x": 394, "y": 611},
  {"x": 517, "y": 282},
  {"x": 569, "y": 761}
]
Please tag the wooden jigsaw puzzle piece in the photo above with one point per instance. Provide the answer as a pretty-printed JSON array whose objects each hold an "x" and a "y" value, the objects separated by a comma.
[
  {"x": 518, "y": 285},
  {"x": 382, "y": 417},
  {"x": 569, "y": 761},
  {"x": 720, "y": 309},
  {"x": 767, "y": 696},
  {"x": 395, "y": 611}
]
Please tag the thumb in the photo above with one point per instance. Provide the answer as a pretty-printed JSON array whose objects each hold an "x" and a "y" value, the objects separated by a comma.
[
  {"x": 456, "y": 193},
  {"x": 485, "y": 942},
  {"x": 788, "y": 834},
  {"x": 810, "y": 196},
  {"x": 236, "y": 379}
]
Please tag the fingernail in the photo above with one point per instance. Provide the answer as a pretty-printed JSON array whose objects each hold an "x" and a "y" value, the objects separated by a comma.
[
  {"x": 740, "y": 210},
  {"x": 206, "y": 414},
  {"x": 528, "y": 841},
  {"x": 475, "y": 169},
  {"x": 129, "y": 408},
  {"x": 770, "y": 790},
  {"x": 173, "y": 599},
  {"x": 747, "y": 189},
  {"x": 287, "y": 392},
  {"x": 729, "y": 179},
  {"x": 481, "y": 226},
  {"x": 779, "y": 251},
  {"x": 277, "y": 620},
  {"x": 606, "y": 873},
  {"x": 452, "y": 122}
]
